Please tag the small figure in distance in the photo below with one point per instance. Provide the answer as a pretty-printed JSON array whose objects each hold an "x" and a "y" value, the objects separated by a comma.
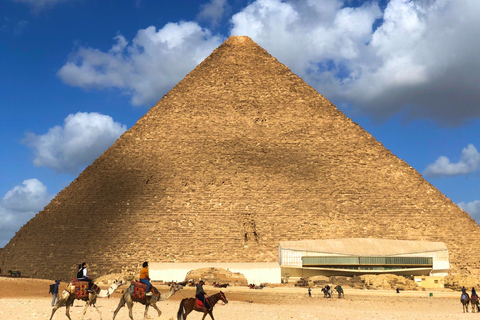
[{"x": 54, "y": 291}]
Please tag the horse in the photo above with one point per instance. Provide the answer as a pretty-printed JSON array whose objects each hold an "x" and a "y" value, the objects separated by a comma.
[
  {"x": 187, "y": 305},
  {"x": 14, "y": 273},
  {"x": 474, "y": 303},
  {"x": 465, "y": 300}
]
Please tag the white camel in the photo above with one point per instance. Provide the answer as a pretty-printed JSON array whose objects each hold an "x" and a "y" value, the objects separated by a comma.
[
  {"x": 127, "y": 298},
  {"x": 68, "y": 295}
]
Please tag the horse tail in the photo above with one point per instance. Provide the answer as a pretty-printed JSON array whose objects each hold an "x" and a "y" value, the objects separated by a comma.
[{"x": 181, "y": 309}]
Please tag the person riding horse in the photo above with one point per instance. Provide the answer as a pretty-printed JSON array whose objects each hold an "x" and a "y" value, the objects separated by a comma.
[{"x": 200, "y": 294}]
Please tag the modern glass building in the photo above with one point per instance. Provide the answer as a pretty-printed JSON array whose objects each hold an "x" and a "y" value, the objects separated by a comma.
[{"x": 356, "y": 256}]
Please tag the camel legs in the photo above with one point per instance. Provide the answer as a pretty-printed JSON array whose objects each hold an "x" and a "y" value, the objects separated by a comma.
[
  {"x": 65, "y": 300},
  {"x": 86, "y": 308},
  {"x": 154, "y": 305},
  {"x": 122, "y": 303}
]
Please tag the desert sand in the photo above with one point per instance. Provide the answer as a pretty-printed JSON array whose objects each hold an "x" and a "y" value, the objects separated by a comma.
[{"x": 22, "y": 298}]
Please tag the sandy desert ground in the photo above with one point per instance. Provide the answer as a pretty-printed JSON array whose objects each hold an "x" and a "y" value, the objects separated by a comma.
[{"x": 29, "y": 299}]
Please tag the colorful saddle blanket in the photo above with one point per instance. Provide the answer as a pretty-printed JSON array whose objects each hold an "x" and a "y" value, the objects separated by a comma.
[
  {"x": 81, "y": 288},
  {"x": 139, "y": 290}
]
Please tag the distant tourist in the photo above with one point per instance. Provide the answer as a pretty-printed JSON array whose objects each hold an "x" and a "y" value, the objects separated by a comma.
[
  {"x": 54, "y": 292},
  {"x": 309, "y": 292},
  {"x": 145, "y": 278}
]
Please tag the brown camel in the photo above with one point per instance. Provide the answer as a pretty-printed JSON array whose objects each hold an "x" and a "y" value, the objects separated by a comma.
[
  {"x": 68, "y": 295},
  {"x": 127, "y": 298},
  {"x": 465, "y": 299}
]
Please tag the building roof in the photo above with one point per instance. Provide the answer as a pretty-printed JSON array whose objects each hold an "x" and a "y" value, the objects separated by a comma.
[{"x": 363, "y": 246}]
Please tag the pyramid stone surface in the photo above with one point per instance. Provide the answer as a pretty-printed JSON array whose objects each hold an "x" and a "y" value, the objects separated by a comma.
[{"x": 240, "y": 155}]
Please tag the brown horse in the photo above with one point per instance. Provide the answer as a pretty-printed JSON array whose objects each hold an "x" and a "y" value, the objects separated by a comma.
[
  {"x": 465, "y": 299},
  {"x": 474, "y": 302},
  {"x": 189, "y": 304}
]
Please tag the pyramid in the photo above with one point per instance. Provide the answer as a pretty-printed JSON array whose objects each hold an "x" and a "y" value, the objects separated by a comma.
[{"x": 240, "y": 155}]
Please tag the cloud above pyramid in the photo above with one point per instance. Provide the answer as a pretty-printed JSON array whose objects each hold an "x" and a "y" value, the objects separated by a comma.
[{"x": 357, "y": 56}]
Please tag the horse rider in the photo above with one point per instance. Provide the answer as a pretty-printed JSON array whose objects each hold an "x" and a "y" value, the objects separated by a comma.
[
  {"x": 82, "y": 275},
  {"x": 200, "y": 294},
  {"x": 145, "y": 278}
]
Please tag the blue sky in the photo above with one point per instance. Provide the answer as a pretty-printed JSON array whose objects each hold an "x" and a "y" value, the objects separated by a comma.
[{"x": 75, "y": 74}]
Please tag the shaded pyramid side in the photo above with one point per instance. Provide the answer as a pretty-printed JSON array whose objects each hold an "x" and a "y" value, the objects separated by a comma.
[{"x": 240, "y": 155}]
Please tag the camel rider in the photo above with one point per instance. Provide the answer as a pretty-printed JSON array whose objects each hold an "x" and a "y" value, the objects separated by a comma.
[
  {"x": 474, "y": 293},
  {"x": 82, "y": 275},
  {"x": 144, "y": 278},
  {"x": 200, "y": 294},
  {"x": 464, "y": 290}
]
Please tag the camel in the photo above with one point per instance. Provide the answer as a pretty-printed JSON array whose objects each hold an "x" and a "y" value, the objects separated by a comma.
[
  {"x": 465, "y": 299},
  {"x": 127, "y": 298},
  {"x": 68, "y": 295}
]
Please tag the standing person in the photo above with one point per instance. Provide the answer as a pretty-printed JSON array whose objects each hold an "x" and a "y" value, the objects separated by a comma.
[
  {"x": 309, "y": 292},
  {"x": 55, "y": 293},
  {"x": 200, "y": 294},
  {"x": 145, "y": 278},
  {"x": 82, "y": 275}
]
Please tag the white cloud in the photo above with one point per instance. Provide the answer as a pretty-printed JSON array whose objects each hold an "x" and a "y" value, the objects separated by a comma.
[
  {"x": 469, "y": 162},
  {"x": 213, "y": 11},
  {"x": 148, "y": 67},
  {"x": 418, "y": 58},
  {"x": 19, "y": 205},
  {"x": 472, "y": 208},
  {"x": 83, "y": 137},
  {"x": 421, "y": 58}
]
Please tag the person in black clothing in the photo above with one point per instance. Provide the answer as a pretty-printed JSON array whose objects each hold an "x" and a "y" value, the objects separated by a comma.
[
  {"x": 200, "y": 294},
  {"x": 82, "y": 275},
  {"x": 54, "y": 291}
]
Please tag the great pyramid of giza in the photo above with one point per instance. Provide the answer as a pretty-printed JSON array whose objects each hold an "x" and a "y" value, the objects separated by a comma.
[{"x": 240, "y": 155}]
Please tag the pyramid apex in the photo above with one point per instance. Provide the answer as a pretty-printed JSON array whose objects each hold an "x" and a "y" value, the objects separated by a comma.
[{"x": 239, "y": 40}]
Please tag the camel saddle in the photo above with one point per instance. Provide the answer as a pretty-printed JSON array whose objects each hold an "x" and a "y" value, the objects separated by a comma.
[
  {"x": 81, "y": 288},
  {"x": 139, "y": 290}
]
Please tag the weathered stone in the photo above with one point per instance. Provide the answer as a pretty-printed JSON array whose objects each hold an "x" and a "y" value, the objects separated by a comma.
[{"x": 239, "y": 155}]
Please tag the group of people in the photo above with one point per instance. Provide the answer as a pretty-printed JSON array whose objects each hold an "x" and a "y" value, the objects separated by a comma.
[
  {"x": 144, "y": 278},
  {"x": 474, "y": 293}
]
